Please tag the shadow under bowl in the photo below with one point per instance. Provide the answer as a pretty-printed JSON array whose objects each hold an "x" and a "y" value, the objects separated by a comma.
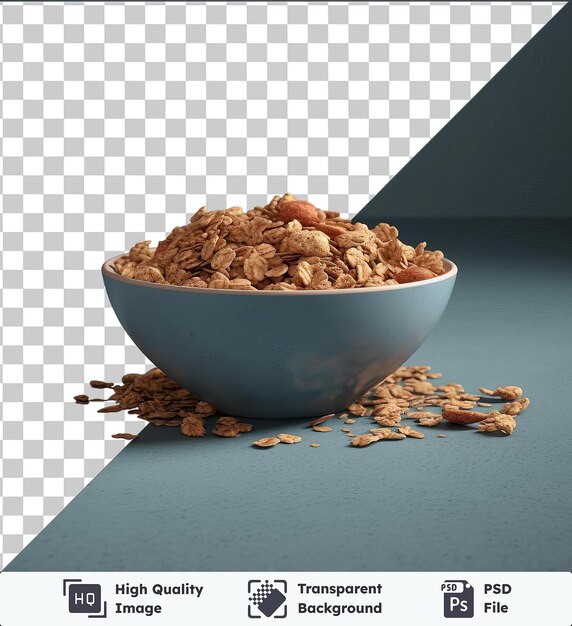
[{"x": 277, "y": 354}]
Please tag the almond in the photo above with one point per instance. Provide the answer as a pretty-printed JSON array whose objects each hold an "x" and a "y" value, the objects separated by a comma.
[
  {"x": 458, "y": 416},
  {"x": 304, "y": 212},
  {"x": 413, "y": 273},
  {"x": 331, "y": 231}
]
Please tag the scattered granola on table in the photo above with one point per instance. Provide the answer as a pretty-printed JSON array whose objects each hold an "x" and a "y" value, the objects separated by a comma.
[
  {"x": 289, "y": 244},
  {"x": 407, "y": 394}
]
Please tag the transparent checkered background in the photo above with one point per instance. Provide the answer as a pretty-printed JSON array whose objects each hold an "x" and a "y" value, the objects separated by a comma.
[{"x": 120, "y": 120}]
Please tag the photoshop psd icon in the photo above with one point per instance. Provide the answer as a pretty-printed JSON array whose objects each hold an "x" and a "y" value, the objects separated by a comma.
[
  {"x": 267, "y": 598},
  {"x": 84, "y": 598},
  {"x": 458, "y": 598}
]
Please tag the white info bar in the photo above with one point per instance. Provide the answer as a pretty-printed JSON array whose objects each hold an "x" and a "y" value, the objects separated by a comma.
[{"x": 293, "y": 598}]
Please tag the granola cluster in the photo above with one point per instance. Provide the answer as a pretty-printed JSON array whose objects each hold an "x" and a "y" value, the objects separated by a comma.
[
  {"x": 289, "y": 244},
  {"x": 408, "y": 393}
]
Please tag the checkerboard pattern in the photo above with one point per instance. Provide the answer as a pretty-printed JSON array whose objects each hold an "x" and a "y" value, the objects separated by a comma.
[{"x": 120, "y": 120}]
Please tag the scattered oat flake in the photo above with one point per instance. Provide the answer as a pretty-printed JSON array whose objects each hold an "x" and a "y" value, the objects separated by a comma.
[
  {"x": 508, "y": 392},
  {"x": 441, "y": 436},
  {"x": 498, "y": 422},
  {"x": 350, "y": 421},
  {"x": 314, "y": 445},
  {"x": 409, "y": 432},
  {"x": 357, "y": 409},
  {"x": 124, "y": 436},
  {"x": 230, "y": 427},
  {"x": 205, "y": 408},
  {"x": 322, "y": 429},
  {"x": 287, "y": 438},
  {"x": 266, "y": 442},
  {"x": 516, "y": 407},
  {"x": 484, "y": 404},
  {"x": 387, "y": 434},
  {"x": 193, "y": 426},
  {"x": 320, "y": 420},
  {"x": 421, "y": 414},
  {"x": 364, "y": 440},
  {"x": 430, "y": 421},
  {"x": 81, "y": 399},
  {"x": 100, "y": 384},
  {"x": 112, "y": 408}
]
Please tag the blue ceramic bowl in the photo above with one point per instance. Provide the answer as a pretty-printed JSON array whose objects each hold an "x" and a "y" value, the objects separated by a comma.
[{"x": 278, "y": 354}]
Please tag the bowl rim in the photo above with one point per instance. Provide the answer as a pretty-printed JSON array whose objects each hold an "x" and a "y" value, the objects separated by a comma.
[{"x": 108, "y": 270}]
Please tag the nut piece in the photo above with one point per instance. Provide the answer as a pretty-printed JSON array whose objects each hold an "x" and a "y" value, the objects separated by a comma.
[
  {"x": 304, "y": 212},
  {"x": 459, "y": 416},
  {"x": 287, "y": 438},
  {"x": 81, "y": 399},
  {"x": 266, "y": 442},
  {"x": 309, "y": 243},
  {"x": 412, "y": 274},
  {"x": 509, "y": 392},
  {"x": 364, "y": 440},
  {"x": 331, "y": 231},
  {"x": 516, "y": 407},
  {"x": 409, "y": 432},
  {"x": 124, "y": 436},
  {"x": 499, "y": 422}
]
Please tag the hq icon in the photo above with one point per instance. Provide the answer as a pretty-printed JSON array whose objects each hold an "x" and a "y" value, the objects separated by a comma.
[
  {"x": 84, "y": 598},
  {"x": 458, "y": 598}
]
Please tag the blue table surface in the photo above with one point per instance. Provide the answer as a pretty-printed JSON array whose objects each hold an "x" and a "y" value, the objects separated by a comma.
[{"x": 469, "y": 501}]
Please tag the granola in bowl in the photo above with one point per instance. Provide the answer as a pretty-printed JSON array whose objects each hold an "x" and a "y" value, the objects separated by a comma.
[{"x": 287, "y": 245}]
